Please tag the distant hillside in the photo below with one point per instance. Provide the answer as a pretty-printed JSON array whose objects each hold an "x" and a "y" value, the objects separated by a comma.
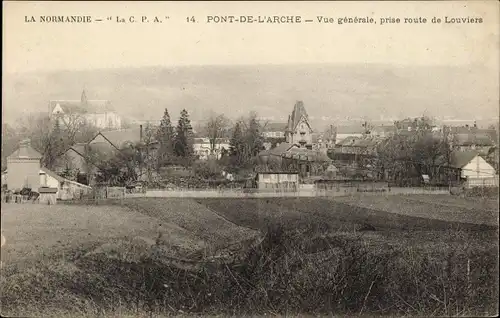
[{"x": 327, "y": 90}]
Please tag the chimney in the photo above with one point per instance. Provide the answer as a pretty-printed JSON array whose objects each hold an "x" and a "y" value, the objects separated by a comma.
[{"x": 140, "y": 133}]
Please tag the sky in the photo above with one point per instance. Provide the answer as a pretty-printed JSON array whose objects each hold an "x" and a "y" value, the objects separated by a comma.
[{"x": 37, "y": 46}]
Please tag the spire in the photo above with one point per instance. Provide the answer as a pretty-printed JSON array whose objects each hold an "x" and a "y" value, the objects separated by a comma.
[{"x": 84, "y": 98}]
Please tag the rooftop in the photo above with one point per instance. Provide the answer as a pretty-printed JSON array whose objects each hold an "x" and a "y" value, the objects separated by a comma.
[{"x": 25, "y": 151}]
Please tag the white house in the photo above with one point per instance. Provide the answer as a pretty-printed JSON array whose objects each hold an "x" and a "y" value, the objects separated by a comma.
[
  {"x": 201, "y": 147},
  {"x": 66, "y": 189},
  {"x": 474, "y": 168}
]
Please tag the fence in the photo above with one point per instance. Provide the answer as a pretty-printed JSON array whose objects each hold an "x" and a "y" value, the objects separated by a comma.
[{"x": 481, "y": 182}]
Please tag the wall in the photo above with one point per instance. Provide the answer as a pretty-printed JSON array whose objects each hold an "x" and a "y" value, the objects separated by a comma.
[
  {"x": 23, "y": 172},
  {"x": 277, "y": 181},
  {"x": 478, "y": 168},
  {"x": 48, "y": 181}
]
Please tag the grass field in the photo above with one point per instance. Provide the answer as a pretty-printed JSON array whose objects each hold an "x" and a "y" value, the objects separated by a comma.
[{"x": 398, "y": 255}]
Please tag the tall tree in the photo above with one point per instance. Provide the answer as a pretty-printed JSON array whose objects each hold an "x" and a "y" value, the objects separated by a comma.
[
  {"x": 253, "y": 138},
  {"x": 237, "y": 145},
  {"x": 183, "y": 141},
  {"x": 215, "y": 129},
  {"x": 165, "y": 137},
  {"x": 148, "y": 156}
]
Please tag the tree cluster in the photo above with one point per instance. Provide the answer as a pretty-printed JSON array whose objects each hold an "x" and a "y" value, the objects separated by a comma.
[
  {"x": 246, "y": 143},
  {"x": 406, "y": 157}
]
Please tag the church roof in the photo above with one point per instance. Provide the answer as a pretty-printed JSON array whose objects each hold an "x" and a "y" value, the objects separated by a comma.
[
  {"x": 25, "y": 151},
  {"x": 298, "y": 112},
  {"x": 81, "y": 106}
]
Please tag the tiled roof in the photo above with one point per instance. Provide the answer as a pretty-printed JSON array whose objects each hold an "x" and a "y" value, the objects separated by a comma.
[
  {"x": 119, "y": 137},
  {"x": 347, "y": 141},
  {"x": 306, "y": 154},
  {"x": 355, "y": 129},
  {"x": 281, "y": 148},
  {"x": 460, "y": 159},
  {"x": 25, "y": 151},
  {"x": 273, "y": 126},
  {"x": 385, "y": 129},
  {"x": 478, "y": 139}
]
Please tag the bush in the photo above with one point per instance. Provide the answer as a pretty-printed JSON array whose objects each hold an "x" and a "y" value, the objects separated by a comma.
[{"x": 288, "y": 272}]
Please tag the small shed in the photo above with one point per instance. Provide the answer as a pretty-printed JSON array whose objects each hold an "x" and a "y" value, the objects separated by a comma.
[{"x": 48, "y": 195}]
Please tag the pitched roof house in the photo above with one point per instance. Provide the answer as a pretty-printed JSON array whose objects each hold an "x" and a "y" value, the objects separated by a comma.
[
  {"x": 473, "y": 166},
  {"x": 299, "y": 130}
]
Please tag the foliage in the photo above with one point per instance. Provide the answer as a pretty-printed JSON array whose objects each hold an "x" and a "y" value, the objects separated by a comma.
[
  {"x": 50, "y": 136},
  {"x": 409, "y": 156},
  {"x": 216, "y": 127},
  {"x": 165, "y": 137},
  {"x": 148, "y": 155},
  {"x": 208, "y": 169},
  {"x": 183, "y": 140},
  {"x": 120, "y": 169},
  {"x": 246, "y": 143}
]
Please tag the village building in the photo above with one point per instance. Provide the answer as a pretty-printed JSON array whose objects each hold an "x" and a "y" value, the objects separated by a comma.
[
  {"x": 346, "y": 131},
  {"x": 24, "y": 171},
  {"x": 274, "y": 130},
  {"x": 474, "y": 169},
  {"x": 23, "y": 168},
  {"x": 98, "y": 113},
  {"x": 289, "y": 157},
  {"x": 299, "y": 130},
  {"x": 203, "y": 149}
]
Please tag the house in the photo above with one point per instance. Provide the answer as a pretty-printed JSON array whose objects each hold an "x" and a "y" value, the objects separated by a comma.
[
  {"x": 347, "y": 131},
  {"x": 66, "y": 189},
  {"x": 274, "y": 130},
  {"x": 202, "y": 147},
  {"x": 383, "y": 131},
  {"x": 473, "y": 168},
  {"x": 118, "y": 138},
  {"x": 478, "y": 141},
  {"x": 99, "y": 113},
  {"x": 299, "y": 130},
  {"x": 286, "y": 157},
  {"x": 24, "y": 167},
  {"x": 24, "y": 171},
  {"x": 277, "y": 180},
  {"x": 106, "y": 144}
]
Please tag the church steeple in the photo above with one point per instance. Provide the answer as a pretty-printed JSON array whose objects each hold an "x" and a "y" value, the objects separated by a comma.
[{"x": 84, "y": 98}]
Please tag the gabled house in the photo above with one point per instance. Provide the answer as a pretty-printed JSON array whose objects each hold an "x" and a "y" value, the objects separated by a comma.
[
  {"x": 23, "y": 168},
  {"x": 299, "y": 130},
  {"x": 474, "y": 168}
]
